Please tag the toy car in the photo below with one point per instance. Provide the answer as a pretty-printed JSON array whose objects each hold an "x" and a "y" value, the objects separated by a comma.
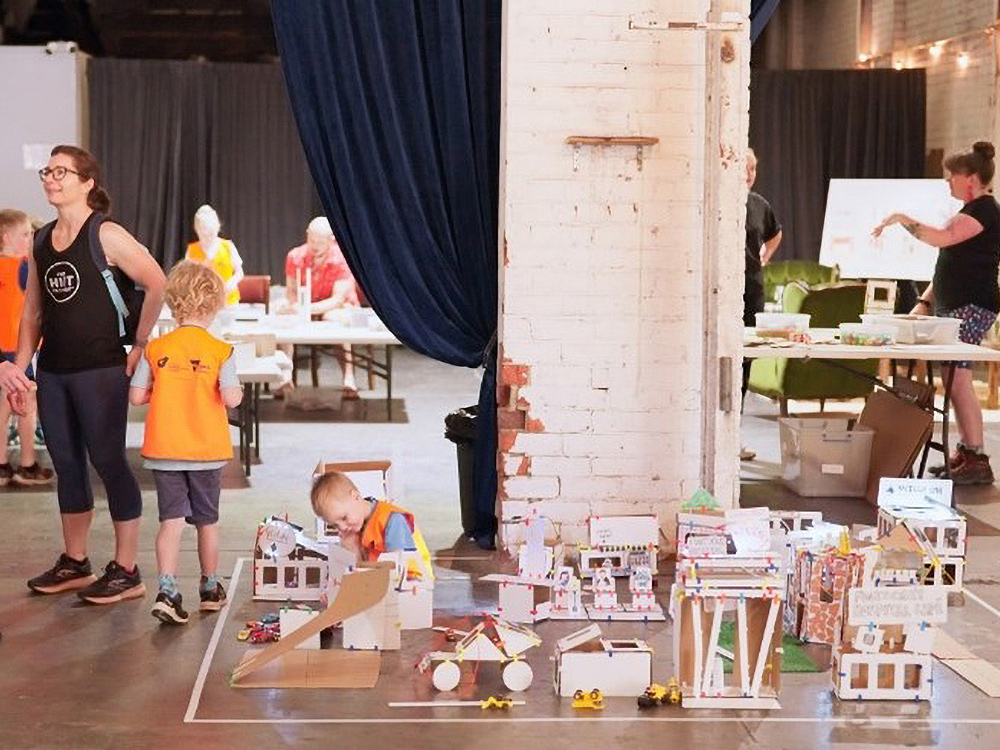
[
  {"x": 497, "y": 703},
  {"x": 658, "y": 694},
  {"x": 591, "y": 700}
]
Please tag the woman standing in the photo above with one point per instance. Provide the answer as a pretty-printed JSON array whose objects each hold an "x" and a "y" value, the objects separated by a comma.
[
  {"x": 964, "y": 287},
  {"x": 83, "y": 372},
  {"x": 219, "y": 253}
]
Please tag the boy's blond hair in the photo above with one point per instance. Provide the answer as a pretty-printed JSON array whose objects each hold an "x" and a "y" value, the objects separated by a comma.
[
  {"x": 333, "y": 484},
  {"x": 11, "y": 218},
  {"x": 194, "y": 290}
]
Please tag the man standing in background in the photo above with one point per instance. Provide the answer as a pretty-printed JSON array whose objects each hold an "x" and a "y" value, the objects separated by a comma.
[{"x": 763, "y": 238}]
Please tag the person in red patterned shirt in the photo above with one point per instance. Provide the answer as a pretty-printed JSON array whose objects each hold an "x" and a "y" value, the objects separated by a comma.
[{"x": 333, "y": 284}]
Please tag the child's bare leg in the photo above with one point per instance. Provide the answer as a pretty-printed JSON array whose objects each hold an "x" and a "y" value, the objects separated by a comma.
[
  {"x": 208, "y": 548},
  {"x": 168, "y": 546}
]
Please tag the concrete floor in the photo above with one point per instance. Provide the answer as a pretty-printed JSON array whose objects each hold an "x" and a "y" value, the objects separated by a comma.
[{"x": 74, "y": 676}]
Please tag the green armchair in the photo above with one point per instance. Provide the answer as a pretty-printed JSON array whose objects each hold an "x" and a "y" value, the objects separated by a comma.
[
  {"x": 784, "y": 272},
  {"x": 783, "y": 379}
]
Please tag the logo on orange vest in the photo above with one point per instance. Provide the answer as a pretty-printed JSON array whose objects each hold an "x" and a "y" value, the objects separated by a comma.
[
  {"x": 162, "y": 362},
  {"x": 197, "y": 366}
]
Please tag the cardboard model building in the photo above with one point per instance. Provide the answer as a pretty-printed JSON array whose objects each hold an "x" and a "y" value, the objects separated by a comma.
[
  {"x": 567, "y": 596},
  {"x": 883, "y": 652},
  {"x": 491, "y": 640},
  {"x": 623, "y": 542},
  {"x": 283, "y": 665},
  {"x": 817, "y": 593},
  {"x": 288, "y": 565},
  {"x": 751, "y": 590},
  {"x": 585, "y": 661},
  {"x": 526, "y": 597}
]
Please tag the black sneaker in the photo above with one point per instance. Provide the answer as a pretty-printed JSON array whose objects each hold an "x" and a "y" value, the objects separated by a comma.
[
  {"x": 114, "y": 586},
  {"x": 6, "y": 474},
  {"x": 28, "y": 476},
  {"x": 65, "y": 575},
  {"x": 168, "y": 609},
  {"x": 213, "y": 601}
]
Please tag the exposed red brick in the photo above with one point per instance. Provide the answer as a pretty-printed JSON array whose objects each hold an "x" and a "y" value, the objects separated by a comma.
[
  {"x": 508, "y": 419},
  {"x": 514, "y": 374},
  {"x": 525, "y": 467},
  {"x": 503, "y": 395},
  {"x": 522, "y": 403},
  {"x": 507, "y": 438},
  {"x": 533, "y": 425}
]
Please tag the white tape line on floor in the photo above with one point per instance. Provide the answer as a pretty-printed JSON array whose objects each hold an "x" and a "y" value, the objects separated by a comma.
[{"x": 206, "y": 662}]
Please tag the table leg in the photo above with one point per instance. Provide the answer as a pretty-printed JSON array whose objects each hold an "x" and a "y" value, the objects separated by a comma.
[
  {"x": 246, "y": 428},
  {"x": 388, "y": 380},
  {"x": 944, "y": 419},
  {"x": 256, "y": 420}
]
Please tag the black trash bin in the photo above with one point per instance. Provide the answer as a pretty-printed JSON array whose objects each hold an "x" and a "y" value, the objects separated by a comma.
[{"x": 460, "y": 428}]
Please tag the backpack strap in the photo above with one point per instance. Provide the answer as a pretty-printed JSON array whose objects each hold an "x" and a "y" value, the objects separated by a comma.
[
  {"x": 101, "y": 261},
  {"x": 43, "y": 234}
]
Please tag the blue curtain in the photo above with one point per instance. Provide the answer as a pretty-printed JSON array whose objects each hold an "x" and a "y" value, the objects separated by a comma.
[
  {"x": 398, "y": 108},
  {"x": 760, "y": 14}
]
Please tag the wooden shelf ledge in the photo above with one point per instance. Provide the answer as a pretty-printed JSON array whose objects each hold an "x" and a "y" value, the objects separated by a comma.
[{"x": 611, "y": 140}]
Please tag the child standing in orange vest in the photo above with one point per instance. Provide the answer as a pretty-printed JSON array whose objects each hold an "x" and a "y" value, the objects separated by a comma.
[
  {"x": 15, "y": 244},
  {"x": 366, "y": 526},
  {"x": 188, "y": 378}
]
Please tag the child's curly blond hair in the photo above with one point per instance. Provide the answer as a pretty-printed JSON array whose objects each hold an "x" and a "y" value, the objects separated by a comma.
[{"x": 194, "y": 290}]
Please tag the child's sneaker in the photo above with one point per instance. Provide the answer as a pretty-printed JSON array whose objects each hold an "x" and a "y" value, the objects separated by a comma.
[
  {"x": 116, "y": 584},
  {"x": 213, "y": 600},
  {"x": 168, "y": 609},
  {"x": 65, "y": 575},
  {"x": 28, "y": 476},
  {"x": 6, "y": 474}
]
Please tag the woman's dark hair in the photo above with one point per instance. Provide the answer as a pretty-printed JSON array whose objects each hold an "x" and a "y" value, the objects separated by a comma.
[
  {"x": 88, "y": 169},
  {"x": 978, "y": 161}
]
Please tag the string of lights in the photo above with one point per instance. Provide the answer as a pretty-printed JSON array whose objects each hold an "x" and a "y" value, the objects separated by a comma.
[{"x": 903, "y": 58}]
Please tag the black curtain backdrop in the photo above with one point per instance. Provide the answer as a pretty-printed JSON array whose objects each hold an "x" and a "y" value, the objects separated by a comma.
[
  {"x": 398, "y": 107},
  {"x": 809, "y": 126},
  {"x": 173, "y": 135}
]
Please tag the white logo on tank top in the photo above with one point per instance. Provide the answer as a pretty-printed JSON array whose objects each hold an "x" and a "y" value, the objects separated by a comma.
[{"x": 62, "y": 281}]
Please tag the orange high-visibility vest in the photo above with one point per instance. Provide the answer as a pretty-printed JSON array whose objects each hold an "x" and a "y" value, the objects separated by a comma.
[
  {"x": 373, "y": 538},
  {"x": 187, "y": 419},
  {"x": 11, "y": 302},
  {"x": 222, "y": 263}
]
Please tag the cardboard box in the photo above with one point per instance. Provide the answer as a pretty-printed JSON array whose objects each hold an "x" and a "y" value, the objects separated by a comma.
[
  {"x": 901, "y": 429},
  {"x": 586, "y": 661},
  {"x": 825, "y": 457}
]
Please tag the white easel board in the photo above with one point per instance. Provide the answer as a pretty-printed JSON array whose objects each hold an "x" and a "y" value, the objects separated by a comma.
[{"x": 855, "y": 207}]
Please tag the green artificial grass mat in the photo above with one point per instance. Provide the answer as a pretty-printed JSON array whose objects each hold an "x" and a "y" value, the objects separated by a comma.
[{"x": 794, "y": 658}]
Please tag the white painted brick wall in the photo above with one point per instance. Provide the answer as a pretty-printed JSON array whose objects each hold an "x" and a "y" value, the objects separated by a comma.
[{"x": 601, "y": 296}]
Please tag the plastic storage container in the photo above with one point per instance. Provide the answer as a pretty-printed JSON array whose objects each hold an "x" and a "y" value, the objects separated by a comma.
[
  {"x": 781, "y": 325},
  {"x": 867, "y": 334},
  {"x": 919, "y": 329},
  {"x": 823, "y": 457}
]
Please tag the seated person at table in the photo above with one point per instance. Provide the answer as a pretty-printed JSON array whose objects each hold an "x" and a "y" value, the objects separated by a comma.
[
  {"x": 333, "y": 285},
  {"x": 188, "y": 378},
  {"x": 367, "y": 527}
]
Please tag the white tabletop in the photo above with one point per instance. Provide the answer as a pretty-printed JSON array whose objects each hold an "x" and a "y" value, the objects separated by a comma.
[
  {"x": 820, "y": 349},
  {"x": 288, "y": 330},
  {"x": 261, "y": 370}
]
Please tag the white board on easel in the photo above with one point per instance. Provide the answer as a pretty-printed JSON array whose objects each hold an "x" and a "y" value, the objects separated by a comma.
[{"x": 855, "y": 207}]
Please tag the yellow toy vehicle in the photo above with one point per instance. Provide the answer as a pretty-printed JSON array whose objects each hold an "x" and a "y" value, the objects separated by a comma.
[
  {"x": 592, "y": 700},
  {"x": 658, "y": 694},
  {"x": 494, "y": 703}
]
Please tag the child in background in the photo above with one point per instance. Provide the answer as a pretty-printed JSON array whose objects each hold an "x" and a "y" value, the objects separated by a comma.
[
  {"x": 366, "y": 526},
  {"x": 188, "y": 378},
  {"x": 15, "y": 244}
]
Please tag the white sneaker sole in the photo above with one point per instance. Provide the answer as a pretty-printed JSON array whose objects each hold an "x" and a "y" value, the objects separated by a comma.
[{"x": 166, "y": 614}]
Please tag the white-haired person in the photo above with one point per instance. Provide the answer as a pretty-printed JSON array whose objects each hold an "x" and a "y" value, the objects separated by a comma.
[
  {"x": 333, "y": 285},
  {"x": 221, "y": 254}
]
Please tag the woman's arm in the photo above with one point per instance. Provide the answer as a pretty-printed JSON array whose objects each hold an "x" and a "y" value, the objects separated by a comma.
[
  {"x": 925, "y": 302},
  {"x": 770, "y": 248},
  {"x": 124, "y": 251},
  {"x": 960, "y": 228},
  {"x": 237, "y": 261}
]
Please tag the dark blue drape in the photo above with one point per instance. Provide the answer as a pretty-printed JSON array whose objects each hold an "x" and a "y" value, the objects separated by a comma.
[
  {"x": 760, "y": 14},
  {"x": 398, "y": 108}
]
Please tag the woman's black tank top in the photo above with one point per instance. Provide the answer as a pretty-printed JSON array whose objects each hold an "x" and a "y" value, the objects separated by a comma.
[{"x": 79, "y": 323}]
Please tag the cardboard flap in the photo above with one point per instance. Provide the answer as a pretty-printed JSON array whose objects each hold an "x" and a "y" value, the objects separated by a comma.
[
  {"x": 360, "y": 590},
  {"x": 573, "y": 640},
  {"x": 332, "y": 668}
]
